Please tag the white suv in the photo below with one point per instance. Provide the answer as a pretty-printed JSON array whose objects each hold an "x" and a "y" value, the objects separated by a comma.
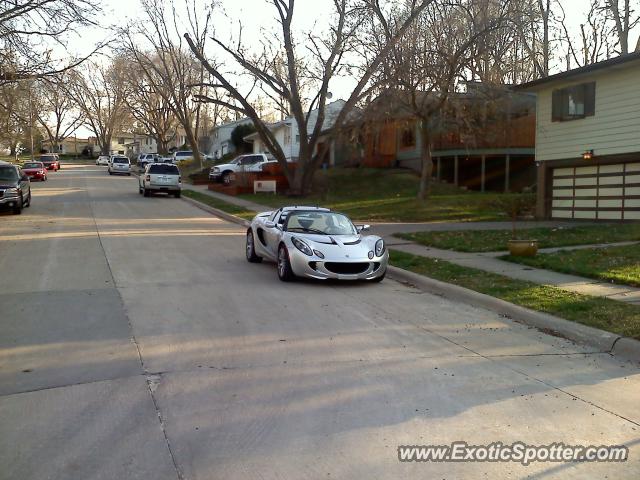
[
  {"x": 244, "y": 163},
  {"x": 119, "y": 164},
  {"x": 160, "y": 177},
  {"x": 145, "y": 158},
  {"x": 182, "y": 155},
  {"x": 103, "y": 160}
]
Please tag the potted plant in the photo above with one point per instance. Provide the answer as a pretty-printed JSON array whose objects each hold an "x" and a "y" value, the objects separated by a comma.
[{"x": 517, "y": 206}]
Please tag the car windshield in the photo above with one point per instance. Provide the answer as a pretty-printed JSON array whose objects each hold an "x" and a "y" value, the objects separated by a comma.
[
  {"x": 47, "y": 158},
  {"x": 164, "y": 168},
  {"x": 184, "y": 154},
  {"x": 33, "y": 165},
  {"x": 120, "y": 160},
  {"x": 323, "y": 223},
  {"x": 8, "y": 174}
]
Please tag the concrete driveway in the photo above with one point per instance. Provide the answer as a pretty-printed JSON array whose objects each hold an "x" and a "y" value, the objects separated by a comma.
[{"x": 137, "y": 342}]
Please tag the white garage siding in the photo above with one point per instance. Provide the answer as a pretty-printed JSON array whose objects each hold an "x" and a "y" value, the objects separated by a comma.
[
  {"x": 598, "y": 192},
  {"x": 614, "y": 129}
]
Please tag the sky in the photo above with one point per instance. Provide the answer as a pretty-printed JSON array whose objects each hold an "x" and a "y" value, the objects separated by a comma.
[{"x": 310, "y": 14}]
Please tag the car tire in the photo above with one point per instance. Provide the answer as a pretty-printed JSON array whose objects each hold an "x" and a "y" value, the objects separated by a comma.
[
  {"x": 177, "y": 194},
  {"x": 146, "y": 193},
  {"x": 17, "y": 210},
  {"x": 110, "y": 173},
  {"x": 380, "y": 278},
  {"x": 44, "y": 179},
  {"x": 285, "y": 273},
  {"x": 28, "y": 204},
  {"x": 250, "y": 248},
  {"x": 226, "y": 178},
  {"x": 140, "y": 191}
]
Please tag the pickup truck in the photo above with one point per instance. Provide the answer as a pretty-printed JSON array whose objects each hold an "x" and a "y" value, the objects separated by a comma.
[{"x": 244, "y": 163}]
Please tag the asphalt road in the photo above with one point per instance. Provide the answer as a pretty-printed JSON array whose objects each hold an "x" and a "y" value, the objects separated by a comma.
[{"x": 137, "y": 342}]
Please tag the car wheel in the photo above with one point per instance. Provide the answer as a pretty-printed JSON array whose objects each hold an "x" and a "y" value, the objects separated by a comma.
[
  {"x": 17, "y": 210},
  {"x": 284, "y": 265},
  {"x": 146, "y": 193},
  {"x": 28, "y": 204},
  {"x": 380, "y": 278},
  {"x": 251, "y": 249},
  {"x": 226, "y": 178},
  {"x": 177, "y": 194},
  {"x": 44, "y": 179},
  {"x": 140, "y": 191}
]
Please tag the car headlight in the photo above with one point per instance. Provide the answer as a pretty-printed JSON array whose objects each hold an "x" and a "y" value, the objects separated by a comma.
[
  {"x": 302, "y": 246},
  {"x": 215, "y": 169},
  {"x": 11, "y": 192},
  {"x": 379, "y": 248}
]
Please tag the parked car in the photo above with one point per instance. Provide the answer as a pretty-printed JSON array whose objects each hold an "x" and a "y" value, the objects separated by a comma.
[
  {"x": 119, "y": 164},
  {"x": 182, "y": 155},
  {"x": 51, "y": 161},
  {"x": 35, "y": 171},
  {"x": 145, "y": 158},
  {"x": 15, "y": 189},
  {"x": 102, "y": 160},
  {"x": 316, "y": 243},
  {"x": 160, "y": 177},
  {"x": 244, "y": 163}
]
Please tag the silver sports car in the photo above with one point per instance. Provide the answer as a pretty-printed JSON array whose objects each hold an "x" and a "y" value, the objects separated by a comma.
[{"x": 316, "y": 243}]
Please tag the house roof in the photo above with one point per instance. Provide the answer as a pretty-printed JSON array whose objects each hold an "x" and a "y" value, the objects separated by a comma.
[{"x": 617, "y": 62}]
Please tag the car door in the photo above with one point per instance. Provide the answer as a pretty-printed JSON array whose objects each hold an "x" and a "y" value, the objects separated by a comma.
[
  {"x": 274, "y": 234},
  {"x": 25, "y": 185}
]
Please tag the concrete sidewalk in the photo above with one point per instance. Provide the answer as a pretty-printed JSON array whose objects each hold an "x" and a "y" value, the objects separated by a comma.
[
  {"x": 240, "y": 202},
  {"x": 488, "y": 263}
]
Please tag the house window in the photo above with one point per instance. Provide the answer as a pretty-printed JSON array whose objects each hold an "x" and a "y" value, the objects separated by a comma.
[
  {"x": 287, "y": 136},
  {"x": 297, "y": 138},
  {"x": 408, "y": 136},
  {"x": 572, "y": 103}
]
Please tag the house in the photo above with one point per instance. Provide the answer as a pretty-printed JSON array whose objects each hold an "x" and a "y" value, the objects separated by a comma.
[
  {"x": 71, "y": 145},
  {"x": 132, "y": 144},
  {"x": 221, "y": 143},
  {"x": 483, "y": 138},
  {"x": 588, "y": 141},
  {"x": 288, "y": 136}
]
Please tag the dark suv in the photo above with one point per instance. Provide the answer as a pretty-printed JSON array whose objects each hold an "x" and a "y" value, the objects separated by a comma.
[{"x": 15, "y": 190}]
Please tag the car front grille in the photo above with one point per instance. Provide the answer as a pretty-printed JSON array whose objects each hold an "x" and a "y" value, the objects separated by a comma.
[{"x": 347, "y": 268}]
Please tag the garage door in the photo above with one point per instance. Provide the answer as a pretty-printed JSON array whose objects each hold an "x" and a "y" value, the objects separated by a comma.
[{"x": 599, "y": 192}]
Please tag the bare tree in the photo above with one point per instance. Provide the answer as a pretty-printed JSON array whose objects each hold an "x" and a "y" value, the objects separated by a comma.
[
  {"x": 29, "y": 27},
  {"x": 99, "y": 92},
  {"x": 294, "y": 69},
  {"x": 150, "y": 109},
  {"x": 423, "y": 70},
  {"x": 169, "y": 68},
  {"x": 624, "y": 18},
  {"x": 58, "y": 114}
]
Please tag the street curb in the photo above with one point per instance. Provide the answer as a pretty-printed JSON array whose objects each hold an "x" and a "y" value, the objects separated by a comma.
[
  {"x": 217, "y": 212},
  {"x": 606, "y": 342}
]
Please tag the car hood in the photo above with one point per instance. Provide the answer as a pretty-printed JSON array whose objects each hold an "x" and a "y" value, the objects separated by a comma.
[
  {"x": 224, "y": 165},
  {"x": 340, "y": 245}
]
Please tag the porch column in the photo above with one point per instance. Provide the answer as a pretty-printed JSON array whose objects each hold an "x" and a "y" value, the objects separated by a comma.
[
  {"x": 507, "y": 167},
  {"x": 455, "y": 170},
  {"x": 482, "y": 172},
  {"x": 438, "y": 168}
]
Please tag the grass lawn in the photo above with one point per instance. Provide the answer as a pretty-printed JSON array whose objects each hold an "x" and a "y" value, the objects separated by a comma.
[
  {"x": 220, "y": 204},
  {"x": 616, "y": 317},
  {"x": 496, "y": 240},
  {"x": 389, "y": 195},
  {"x": 614, "y": 264}
]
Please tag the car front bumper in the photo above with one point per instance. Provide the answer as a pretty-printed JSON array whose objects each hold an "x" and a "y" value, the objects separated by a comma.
[
  {"x": 36, "y": 176},
  {"x": 9, "y": 201},
  {"x": 322, "y": 269}
]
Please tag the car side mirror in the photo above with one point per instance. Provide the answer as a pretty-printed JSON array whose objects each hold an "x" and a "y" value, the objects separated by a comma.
[
  {"x": 269, "y": 224},
  {"x": 362, "y": 228},
  {"x": 25, "y": 178}
]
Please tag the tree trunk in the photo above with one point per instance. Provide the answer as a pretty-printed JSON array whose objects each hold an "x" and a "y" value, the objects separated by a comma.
[{"x": 426, "y": 162}]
